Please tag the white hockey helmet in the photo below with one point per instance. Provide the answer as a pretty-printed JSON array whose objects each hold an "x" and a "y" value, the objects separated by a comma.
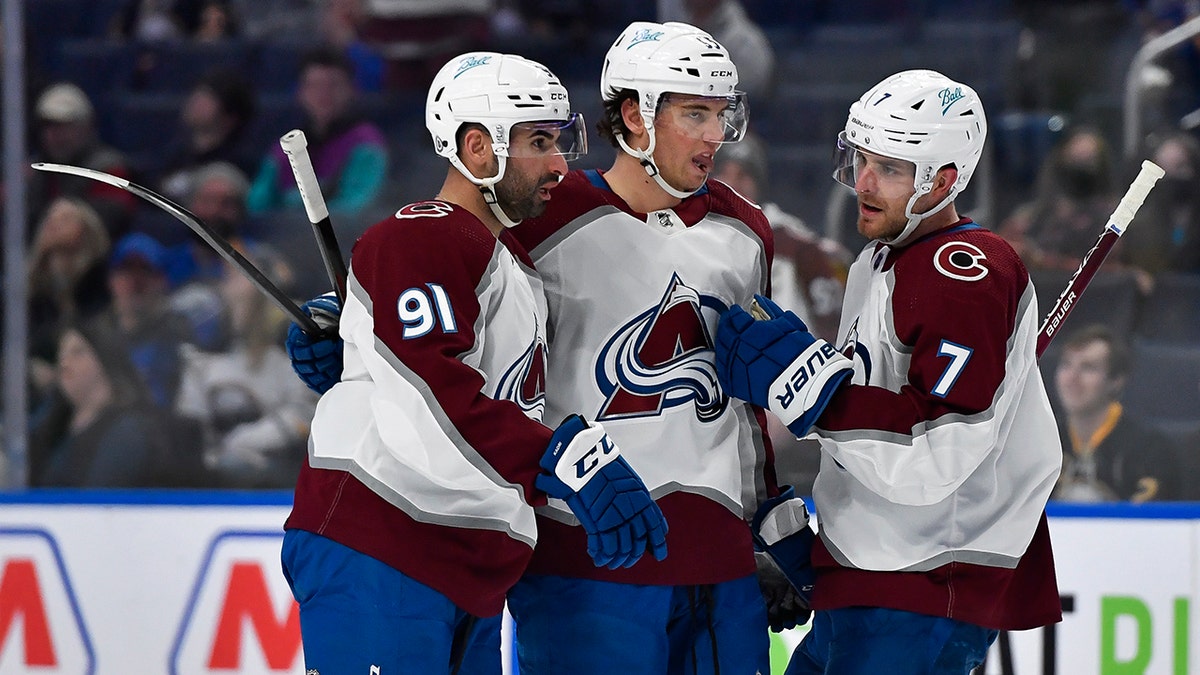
[
  {"x": 920, "y": 116},
  {"x": 655, "y": 59},
  {"x": 499, "y": 91}
]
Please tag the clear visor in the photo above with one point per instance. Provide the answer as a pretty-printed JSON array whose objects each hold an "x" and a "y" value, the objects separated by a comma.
[
  {"x": 717, "y": 119},
  {"x": 556, "y": 137},
  {"x": 889, "y": 177}
]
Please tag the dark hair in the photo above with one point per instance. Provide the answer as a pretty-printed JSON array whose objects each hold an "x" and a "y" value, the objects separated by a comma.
[
  {"x": 329, "y": 57},
  {"x": 111, "y": 351},
  {"x": 232, "y": 90},
  {"x": 128, "y": 389},
  {"x": 1119, "y": 354},
  {"x": 611, "y": 124},
  {"x": 463, "y": 128}
]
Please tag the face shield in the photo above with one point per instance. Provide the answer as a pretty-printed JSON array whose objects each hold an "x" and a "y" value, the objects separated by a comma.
[
  {"x": 541, "y": 139},
  {"x": 888, "y": 177},
  {"x": 716, "y": 119}
]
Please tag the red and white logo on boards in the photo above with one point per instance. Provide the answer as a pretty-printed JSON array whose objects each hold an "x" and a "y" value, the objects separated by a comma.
[
  {"x": 241, "y": 617},
  {"x": 41, "y": 627}
]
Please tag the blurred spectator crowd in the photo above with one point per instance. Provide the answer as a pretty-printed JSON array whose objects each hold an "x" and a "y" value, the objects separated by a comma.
[{"x": 153, "y": 363}]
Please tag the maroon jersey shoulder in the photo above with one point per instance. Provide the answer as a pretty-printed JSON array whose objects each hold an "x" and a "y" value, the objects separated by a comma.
[
  {"x": 723, "y": 200},
  {"x": 424, "y": 241},
  {"x": 972, "y": 267},
  {"x": 573, "y": 197}
]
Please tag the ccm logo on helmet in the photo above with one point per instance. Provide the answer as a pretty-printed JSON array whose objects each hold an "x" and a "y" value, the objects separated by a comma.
[
  {"x": 722, "y": 73},
  {"x": 960, "y": 260}
]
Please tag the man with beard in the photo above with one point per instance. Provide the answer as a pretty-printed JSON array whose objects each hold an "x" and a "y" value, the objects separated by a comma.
[
  {"x": 414, "y": 515},
  {"x": 938, "y": 444}
]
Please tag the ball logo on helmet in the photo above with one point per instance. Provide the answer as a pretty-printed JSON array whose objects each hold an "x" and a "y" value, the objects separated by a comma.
[
  {"x": 644, "y": 35},
  {"x": 471, "y": 62},
  {"x": 949, "y": 96}
]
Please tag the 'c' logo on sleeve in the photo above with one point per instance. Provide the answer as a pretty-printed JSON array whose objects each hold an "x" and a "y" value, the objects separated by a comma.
[{"x": 960, "y": 260}]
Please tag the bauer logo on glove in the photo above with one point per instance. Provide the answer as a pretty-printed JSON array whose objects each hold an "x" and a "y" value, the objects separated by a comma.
[{"x": 809, "y": 366}]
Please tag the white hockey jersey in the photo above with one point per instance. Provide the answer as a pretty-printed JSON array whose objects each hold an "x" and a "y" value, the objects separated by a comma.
[
  {"x": 939, "y": 458},
  {"x": 633, "y": 303}
]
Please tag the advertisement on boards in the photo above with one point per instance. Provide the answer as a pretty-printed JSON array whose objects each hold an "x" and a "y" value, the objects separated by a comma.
[{"x": 190, "y": 584}]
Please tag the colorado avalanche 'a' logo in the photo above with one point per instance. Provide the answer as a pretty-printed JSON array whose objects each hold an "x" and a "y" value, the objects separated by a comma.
[
  {"x": 524, "y": 383},
  {"x": 661, "y": 359},
  {"x": 851, "y": 348}
]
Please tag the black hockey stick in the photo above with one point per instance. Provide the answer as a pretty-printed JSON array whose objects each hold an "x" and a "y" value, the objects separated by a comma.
[
  {"x": 295, "y": 146},
  {"x": 210, "y": 236}
]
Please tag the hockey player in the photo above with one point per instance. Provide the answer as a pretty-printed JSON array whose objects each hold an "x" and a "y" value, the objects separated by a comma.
[
  {"x": 638, "y": 262},
  {"x": 938, "y": 456},
  {"x": 414, "y": 514}
]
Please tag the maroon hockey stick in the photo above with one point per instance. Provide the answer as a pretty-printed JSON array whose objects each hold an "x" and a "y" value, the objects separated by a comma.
[
  {"x": 1117, "y": 222},
  {"x": 209, "y": 235},
  {"x": 295, "y": 146}
]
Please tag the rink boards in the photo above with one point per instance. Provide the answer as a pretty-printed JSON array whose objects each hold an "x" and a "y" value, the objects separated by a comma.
[{"x": 189, "y": 583}]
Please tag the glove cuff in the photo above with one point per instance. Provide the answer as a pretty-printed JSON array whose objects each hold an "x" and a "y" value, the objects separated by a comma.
[
  {"x": 804, "y": 381},
  {"x": 577, "y": 452},
  {"x": 780, "y": 520}
]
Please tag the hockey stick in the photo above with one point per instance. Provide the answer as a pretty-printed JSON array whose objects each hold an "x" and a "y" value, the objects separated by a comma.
[
  {"x": 210, "y": 236},
  {"x": 295, "y": 146},
  {"x": 1117, "y": 222}
]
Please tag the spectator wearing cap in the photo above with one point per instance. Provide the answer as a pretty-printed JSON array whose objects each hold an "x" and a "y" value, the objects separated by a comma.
[
  {"x": 66, "y": 134},
  {"x": 212, "y": 128},
  {"x": 151, "y": 332}
]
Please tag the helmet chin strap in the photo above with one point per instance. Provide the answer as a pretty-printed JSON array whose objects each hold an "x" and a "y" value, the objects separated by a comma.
[
  {"x": 646, "y": 157},
  {"x": 914, "y": 219},
  {"x": 487, "y": 187}
]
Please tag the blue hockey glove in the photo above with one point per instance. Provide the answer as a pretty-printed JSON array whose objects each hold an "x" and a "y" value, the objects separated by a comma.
[
  {"x": 585, "y": 469},
  {"x": 777, "y": 364},
  {"x": 780, "y": 530},
  {"x": 318, "y": 361}
]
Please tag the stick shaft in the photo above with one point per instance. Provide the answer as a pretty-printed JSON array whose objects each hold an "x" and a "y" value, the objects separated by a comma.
[
  {"x": 1117, "y": 222},
  {"x": 1075, "y": 287},
  {"x": 205, "y": 232},
  {"x": 295, "y": 146}
]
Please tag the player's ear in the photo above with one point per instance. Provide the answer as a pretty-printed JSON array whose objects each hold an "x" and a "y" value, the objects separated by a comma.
[
  {"x": 946, "y": 177},
  {"x": 475, "y": 149},
  {"x": 632, "y": 116}
]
